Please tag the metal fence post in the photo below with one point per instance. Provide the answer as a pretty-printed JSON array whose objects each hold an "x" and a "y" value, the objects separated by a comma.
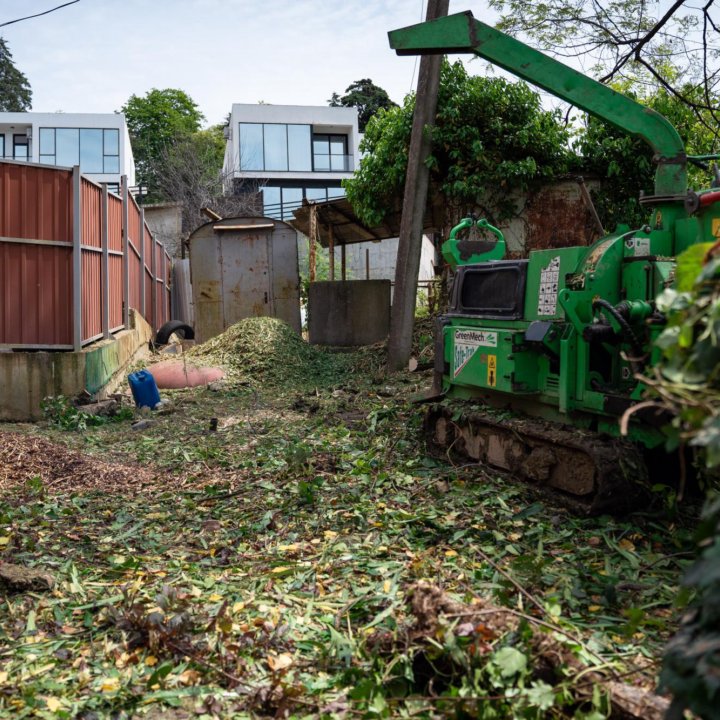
[
  {"x": 153, "y": 286},
  {"x": 126, "y": 253},
  {"x": 77, "y": 259},
  {"x": 143, "y": 309},
  {"x": 166, "y": 286},
  {"x": 105, "y": 264}
]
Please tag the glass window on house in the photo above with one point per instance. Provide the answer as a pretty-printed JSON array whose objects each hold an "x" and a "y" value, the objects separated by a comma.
[
  {"x": 281, "y": 202},
  {"x": 20, "y": 147},
  {"x": 111, "y": 150},
  {"x": 251, "y": 147},
  {"x": 2, "y": 146},
  {"x": 91, "y": 150},
  {"x": 291, "y": 200},
  {"x": 96, "y": 150},
  {"x": 316, "y": 194},
  {"x": 67, "y": 146},
  {"x": 47, "y": 146},
  {"x": 330, "y": 153},
  {"x": 272, "y": 206},
  {"x": 299, "y": 148},
  {"x": 275, "y": 147}
]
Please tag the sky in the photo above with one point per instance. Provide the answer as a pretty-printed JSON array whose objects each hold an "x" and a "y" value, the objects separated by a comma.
[{"x": 93, "y": 55}]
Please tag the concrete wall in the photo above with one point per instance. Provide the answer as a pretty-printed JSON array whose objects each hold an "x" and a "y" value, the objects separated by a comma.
[
  {"x": 355, "y": 312},
  {"x": 26, "y": 378},
  {"x": 551, "y": 217},
  {"x": 165, "y": 223},
  {"x": 383, "y": 256}
]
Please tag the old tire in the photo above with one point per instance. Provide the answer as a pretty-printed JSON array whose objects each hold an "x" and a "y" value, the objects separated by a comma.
[{"x": 162, "y": 337}]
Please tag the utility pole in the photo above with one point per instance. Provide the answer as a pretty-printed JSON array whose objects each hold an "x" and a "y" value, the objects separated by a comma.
[{"x": 415, "y": 198}]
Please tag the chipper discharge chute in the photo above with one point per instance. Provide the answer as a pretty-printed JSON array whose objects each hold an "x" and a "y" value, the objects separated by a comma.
[{"x": 538, "y": 359}]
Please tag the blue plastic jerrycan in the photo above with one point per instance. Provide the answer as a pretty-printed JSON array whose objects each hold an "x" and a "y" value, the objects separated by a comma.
[{"x": 144, "y": 389}]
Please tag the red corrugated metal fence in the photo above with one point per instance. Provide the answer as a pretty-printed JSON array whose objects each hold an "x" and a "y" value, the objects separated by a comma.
[{"x": 73, "y": 259}]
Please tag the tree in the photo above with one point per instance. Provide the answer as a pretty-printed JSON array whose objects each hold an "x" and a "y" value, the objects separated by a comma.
[
  {"x": 190, "y": 171},
  {"x": 15, "y": 92},
  {"x": 491, "y": 137},
  {"x": 366, "y": 96},
  {"x": 659, "y": 45},
  {"x": 157, "y": 121}
]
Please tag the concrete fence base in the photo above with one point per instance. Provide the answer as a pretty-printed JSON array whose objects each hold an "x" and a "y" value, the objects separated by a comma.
[{"x": 26, "y": 378}]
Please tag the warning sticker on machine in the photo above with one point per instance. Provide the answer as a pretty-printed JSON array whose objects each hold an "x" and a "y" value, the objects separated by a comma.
[
  {"x": 492, "y": 370},
  {"x": 547, "y": 295},
  {"x": 638, "y": 246},
  {"x": 467, "y": 343}
]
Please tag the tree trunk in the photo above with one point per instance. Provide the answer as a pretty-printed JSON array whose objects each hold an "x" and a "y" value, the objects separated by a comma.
[{"x": 414, "y": 201}]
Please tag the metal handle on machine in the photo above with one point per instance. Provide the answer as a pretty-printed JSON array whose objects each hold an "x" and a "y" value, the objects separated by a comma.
[
  {"x": 456, "y": 255},
  {"x": 483, "y": 224},
  {"x": 467, "y": 222}
]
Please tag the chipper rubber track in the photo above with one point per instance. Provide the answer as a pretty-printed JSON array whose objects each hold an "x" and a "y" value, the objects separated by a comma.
[{"x": 586, "y": 472}]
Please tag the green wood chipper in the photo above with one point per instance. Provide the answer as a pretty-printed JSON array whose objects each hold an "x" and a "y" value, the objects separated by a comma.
[{"x": 548, "y": 353}]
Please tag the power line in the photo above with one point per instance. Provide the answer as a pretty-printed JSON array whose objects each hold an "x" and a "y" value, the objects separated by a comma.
[
  {"x": 412, "y": 80},
  {"x": 47, "y": 12}
]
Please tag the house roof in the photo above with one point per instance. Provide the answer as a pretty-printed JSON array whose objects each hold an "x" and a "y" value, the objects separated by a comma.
[{"x": 347, "y": 228}]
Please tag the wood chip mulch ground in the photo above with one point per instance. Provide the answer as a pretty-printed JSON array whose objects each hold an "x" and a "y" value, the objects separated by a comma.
[{"x": 25, "y": 457}]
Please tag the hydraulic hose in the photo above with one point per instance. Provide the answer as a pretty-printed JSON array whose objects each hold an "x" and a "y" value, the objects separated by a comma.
[{"x": 625, "y": 326}]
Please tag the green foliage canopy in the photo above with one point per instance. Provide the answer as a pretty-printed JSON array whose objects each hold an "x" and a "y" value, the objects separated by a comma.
[
  {"x": 491, "y": 137},
  {"x": 15, "y": 92},
  {"x": 156, "y": 121},
  {"x": 366, "y": 96}
]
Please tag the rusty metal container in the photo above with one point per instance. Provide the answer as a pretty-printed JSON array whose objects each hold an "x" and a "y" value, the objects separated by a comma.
[{"x": 240, "y": 268}]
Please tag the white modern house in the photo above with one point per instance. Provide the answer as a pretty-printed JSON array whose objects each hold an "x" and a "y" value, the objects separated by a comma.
[
  {"x": 98, "y": 142},
  {"x": 290, "y": 153}
]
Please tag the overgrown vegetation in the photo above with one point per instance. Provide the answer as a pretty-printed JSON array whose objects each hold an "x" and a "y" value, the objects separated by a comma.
[
  {"x": 491, "y": 137},
  {"x": 692, "y": 659},
  {"x": 62, "y": 413},
  {"x": 688, "y": 385},
  {"x": 276, "y": 566},
  {"x": 687, "y": 382}
]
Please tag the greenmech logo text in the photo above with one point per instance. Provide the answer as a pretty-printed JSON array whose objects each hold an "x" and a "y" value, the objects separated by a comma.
[{"x": 467, "y": 343}]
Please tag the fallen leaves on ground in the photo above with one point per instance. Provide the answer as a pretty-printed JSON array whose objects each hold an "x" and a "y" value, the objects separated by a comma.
[{"x": 264, "y": 566}]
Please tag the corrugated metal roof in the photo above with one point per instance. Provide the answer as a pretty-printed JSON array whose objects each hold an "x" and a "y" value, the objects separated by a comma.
[{"x": 347, "y": 228}]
